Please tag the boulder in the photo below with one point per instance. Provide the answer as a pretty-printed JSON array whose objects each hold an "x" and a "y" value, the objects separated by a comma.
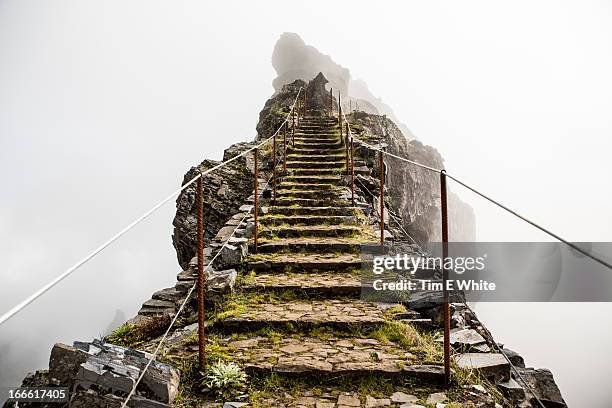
[
  {"x": 220, "y": 283},
  {"x": 65, "y": 362},
  {"x": 231, "y": 255},
  {"x": 543, "y": 385}
]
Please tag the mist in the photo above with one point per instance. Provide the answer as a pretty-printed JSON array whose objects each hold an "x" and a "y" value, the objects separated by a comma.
[{"x": 105, "y": 105}]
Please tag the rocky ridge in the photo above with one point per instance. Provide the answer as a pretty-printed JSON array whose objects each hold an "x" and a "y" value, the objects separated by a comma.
[{"x": 291, "y": 312}]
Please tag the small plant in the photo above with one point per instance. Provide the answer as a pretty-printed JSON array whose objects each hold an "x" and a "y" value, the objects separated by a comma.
[{"x": 224, "y": 378}]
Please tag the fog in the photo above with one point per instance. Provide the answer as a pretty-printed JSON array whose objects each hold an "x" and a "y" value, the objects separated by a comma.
[{"x": 105, "y": 105}]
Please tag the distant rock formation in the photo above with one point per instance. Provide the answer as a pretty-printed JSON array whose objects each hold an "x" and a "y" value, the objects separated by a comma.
[{"x": 294, "y": 60}]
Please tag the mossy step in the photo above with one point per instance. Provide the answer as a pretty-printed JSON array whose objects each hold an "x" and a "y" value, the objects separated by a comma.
[
  {"x": 322, "y": 285},
  {"x": 314, "y": 194},
  {"x": 304, "y": 262},
  {"x": 318, "y": 158},
  {"x": 323, "y": 179},
  {"x": 296, "y": 231},
  {"x": 317, "y": 140},
  {"x": 315, "y": 150},
  {"x": 308, "y": 220},
  {"x": 286, "y": 185},
  {"x": 310, "y": 202},
  {"x": 305, "y": 210},
  {"x": 337, "y": 314},
  {"x": 314, "y": 172},
  {"x": 291, "y": 164},
  {"x": 317, "y": 135},
  {"x": 309, "y": 244},
  {"x": 333, "y": 358}
]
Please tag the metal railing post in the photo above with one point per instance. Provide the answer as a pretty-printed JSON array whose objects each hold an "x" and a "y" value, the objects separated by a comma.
[
  {"x": 285, "y": 150},
  {"x": 346, "y": 135},
  {"x": 382, "y": 202},
  {"x": 201, "y": 277},
  {"x": 352, "y": 172},
  {"x": 444, "y": 210},
  {"x": 331, "y": 102},
  {"x": 274, "y": 169},
  {"x": 255, "y": 199},
  {"x": 339, "y": 108}
]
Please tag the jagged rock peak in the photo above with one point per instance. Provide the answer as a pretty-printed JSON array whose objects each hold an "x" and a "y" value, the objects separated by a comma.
[{"x": 293, "y": 59}]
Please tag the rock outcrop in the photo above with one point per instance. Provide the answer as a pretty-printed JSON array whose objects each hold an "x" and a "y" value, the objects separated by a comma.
[
  {"x": 414, "y": 192},
  {"x": 225, "y": 190}
]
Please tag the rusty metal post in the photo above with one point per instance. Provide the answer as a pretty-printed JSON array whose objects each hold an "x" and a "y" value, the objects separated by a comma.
[
  {"x": 305, "y": 101},
  {"x": 285, "y": 150},
  {"x": 444, "y": 210},
  {"x": 340, "y": 122},
  {"x": 352, "y": 172},
  {"x": 346, "y": 144},
  {"x": 274, "y": 169},
  {"x": 382, "y": 203},
  {"x": 339, "y": 108},
  {"x": 293, "y": 136},
  {"x": 201, "y": 277},
  {"x": 255, "y": 199},
  {"x": 331, "y": 102}
]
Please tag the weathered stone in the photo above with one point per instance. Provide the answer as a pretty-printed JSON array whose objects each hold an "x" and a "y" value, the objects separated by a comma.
[
  {"x": 65, "y": 362},
  {"x": 514, "y": 357},
  {"x": 113, "y": 368},
  {"x": 220, "y": 283},
  {"x": 168, "y": 294},
  {"x": 349, "y": 400},
  {"x": 372, "y": 402},
  {"x": 231, "y": 255},
  {"x": 400, "y": 397},
  {"x": 512, "y": 390},
  {"x": 542, "y": 383},
  {"x": 436, "y": 397},
  {"x": 234, "y": 404},
  {"x": 492, "y": 365}
]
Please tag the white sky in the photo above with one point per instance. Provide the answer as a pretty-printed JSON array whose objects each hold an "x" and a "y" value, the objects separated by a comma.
[{"x": 104, "y": 105}]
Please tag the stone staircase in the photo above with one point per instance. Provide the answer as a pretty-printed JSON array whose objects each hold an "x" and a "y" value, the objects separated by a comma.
[{"x": 309, "y": 247}]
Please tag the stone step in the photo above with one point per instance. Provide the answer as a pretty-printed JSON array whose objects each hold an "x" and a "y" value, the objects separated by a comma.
[
  {"x": 320, "y": 211},
  {"x": 314, "y": 172},
  {"x": 316, "y": 120},
  {"x": 313, "y": 194},
  {"x": 290, "y": 186},
  {"x": 296, "y": 231},
  {"x": 309, "y": 220},
  {"x": 337, "y": 314},
  {"x": 295, "y": 164},
  {"x": 304, "y": 262},
  {"x": 317, "y": 125},
  {"x": 310, "y": 202},
  {"x": 318, "y": 158},
  {"x": 317, "y": 141},
  {"x": 324, "y": 136},
  {"x": 308, "y": 149},
  {"x": 334, "y": 358},
  {"x": 323, "y": 179},
  {"x": 321, "y": 285},
  {"x": 312, "y": 245},
  {"x": 492, "y": 366},
  {"x": 325, "y": 146}
]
